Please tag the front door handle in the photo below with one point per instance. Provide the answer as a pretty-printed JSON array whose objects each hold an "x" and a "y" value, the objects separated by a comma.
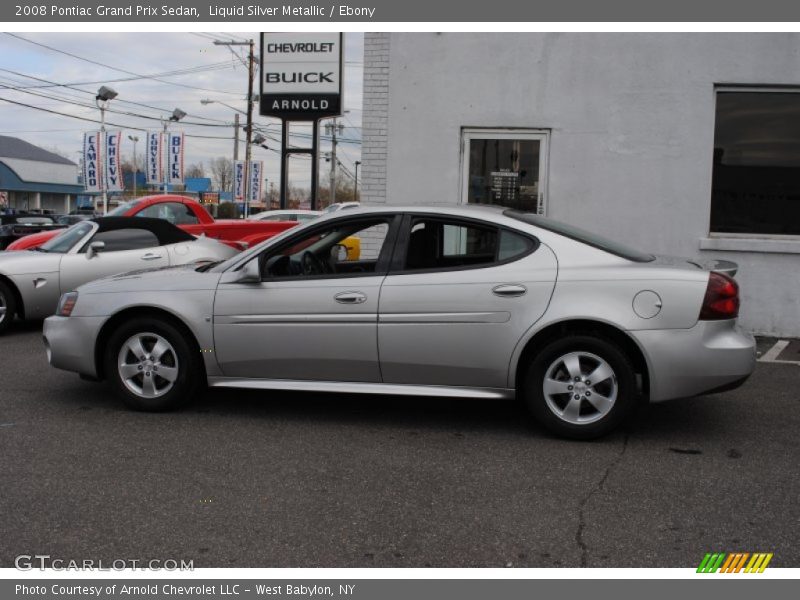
[
  {"x": 350, "y": 298},
  {"x": 151, "y": 256},
  {"x": 509, "y": 290}
]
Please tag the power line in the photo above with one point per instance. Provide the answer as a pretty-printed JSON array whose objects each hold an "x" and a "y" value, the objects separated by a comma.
[{"x": 94, "y": 62}]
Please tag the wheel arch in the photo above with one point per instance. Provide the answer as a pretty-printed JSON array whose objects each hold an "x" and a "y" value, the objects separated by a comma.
[
  {"x": 599, "y": 329},
  {"x": 108, "y": 328},
  {"x": 20, "y": 305}
]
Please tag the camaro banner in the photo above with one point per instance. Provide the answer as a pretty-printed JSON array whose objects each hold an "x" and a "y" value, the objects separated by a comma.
[
  {"x": 256, "y": 176},
  {"x": 238, "y": 181},
  {"x": 154, "y": 158},
  {"x": 175, "y": 158},
  {"x": 92, "y": 165},
  {"x": 113, "y": 168}
]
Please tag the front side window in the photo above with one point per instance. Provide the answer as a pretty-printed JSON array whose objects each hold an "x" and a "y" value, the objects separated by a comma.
[
  {"x": 756, "y": 176},
  {"x": 65, "y": 240},
  {"x": 441, "y": 244},
  {"x": 124, "y": 239},
  {"x": 342, "y": 248}
]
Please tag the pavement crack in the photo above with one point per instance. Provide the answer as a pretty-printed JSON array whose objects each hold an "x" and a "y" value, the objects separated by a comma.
[{"x": 598, "y": 487}]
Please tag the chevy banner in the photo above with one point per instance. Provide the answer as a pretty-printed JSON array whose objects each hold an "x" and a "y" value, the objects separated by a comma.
[
  {"x": 113, "y": 180},
  {"x": 92, "y": 162},
  {"x": 154, "y": 158},
  {"x": 175, "y": 157}
]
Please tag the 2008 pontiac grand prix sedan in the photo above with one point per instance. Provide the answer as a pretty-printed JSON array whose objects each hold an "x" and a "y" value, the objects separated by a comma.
[{"x": 477, "y": 302}]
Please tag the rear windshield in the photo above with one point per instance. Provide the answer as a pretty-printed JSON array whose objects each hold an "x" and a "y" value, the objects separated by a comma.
[{"x": 581, "y": 235}]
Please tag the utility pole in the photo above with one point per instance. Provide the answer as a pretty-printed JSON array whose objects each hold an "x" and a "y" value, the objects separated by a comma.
[
  {"x": 249, "y": 127},
  {"x": 355, "y": 189},
  {"x": 331, "y": 129},
  {"x": 134, "y": 139},
  {"x": 236, "y": 136}
]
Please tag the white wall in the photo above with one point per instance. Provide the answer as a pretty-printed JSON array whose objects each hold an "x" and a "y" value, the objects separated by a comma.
[{"x": 632, "y": 127}]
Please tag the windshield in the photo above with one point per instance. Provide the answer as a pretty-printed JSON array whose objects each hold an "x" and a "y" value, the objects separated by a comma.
[
  {"x": 34, "y": 220},
  {"x": 581, "y": 235},
  {"x": 67, "y": 238},
  {"x": 123, "y": 208}
]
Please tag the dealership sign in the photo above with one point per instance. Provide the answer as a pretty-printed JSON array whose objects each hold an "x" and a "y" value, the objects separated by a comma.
[
  {"x": 301, "y": 75},
  {"x": 238, "y": 180},
  {"x": 154, "y": 158},
  {"x": 112, "y": 163},
  {"x": 175, "y": 149},
  {"x": 92, "y": 165},
  {"x": 256, "y": 176}
]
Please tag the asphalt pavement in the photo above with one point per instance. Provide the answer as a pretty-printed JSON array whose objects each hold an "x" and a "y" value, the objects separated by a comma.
[{"x": 275, "y": 479}]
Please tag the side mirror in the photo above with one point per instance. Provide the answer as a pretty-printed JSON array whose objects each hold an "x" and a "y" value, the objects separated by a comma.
[
  {"x": 339, "y": 252},
  {"x": 94, "y": 249},
  {"x": 250, "y": 273}
]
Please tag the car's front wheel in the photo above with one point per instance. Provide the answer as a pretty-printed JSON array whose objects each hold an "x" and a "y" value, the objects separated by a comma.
[
  {"x": 580, "y": 386},
  {"x": 153, "y": 365},
  {"x": 8, "y": 307}
]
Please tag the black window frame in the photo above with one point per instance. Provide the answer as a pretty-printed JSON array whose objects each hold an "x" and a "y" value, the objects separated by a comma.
[
  {"x": 398, "y": 266},
  {"x": 727, "y": 229}
]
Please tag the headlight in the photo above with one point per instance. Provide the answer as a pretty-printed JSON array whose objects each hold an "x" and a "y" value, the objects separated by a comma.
[{"x": 66, "y": 304}]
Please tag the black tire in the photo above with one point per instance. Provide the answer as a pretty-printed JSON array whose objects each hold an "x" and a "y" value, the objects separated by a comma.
[
  {"x": 8, "y": 300},
  {"x": 624, "y": 377},
  {"x": 190, "y": 378}
]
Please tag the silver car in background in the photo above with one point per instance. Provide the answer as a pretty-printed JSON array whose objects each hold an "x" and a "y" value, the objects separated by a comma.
[
  {"x": 476, "y": 302},
  {"x": 32, "y": 281}
]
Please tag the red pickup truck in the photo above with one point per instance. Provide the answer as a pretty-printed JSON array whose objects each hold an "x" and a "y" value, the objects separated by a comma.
[{"x": 187, "y": 214}]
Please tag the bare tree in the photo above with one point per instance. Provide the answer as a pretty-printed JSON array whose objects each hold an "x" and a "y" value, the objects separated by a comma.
[
  {"x": 195, "y": 170},
  {"x": 222, "y": 172}
]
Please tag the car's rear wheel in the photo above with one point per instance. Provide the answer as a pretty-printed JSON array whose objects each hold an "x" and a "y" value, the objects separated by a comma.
[
  {"x": 580, "y": 386},
  {"x": 153, "y": 365},
  {"x": 8, "y": 307}
]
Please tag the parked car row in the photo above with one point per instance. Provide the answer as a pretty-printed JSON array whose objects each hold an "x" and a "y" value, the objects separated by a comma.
[{"x": 477, "y": 302}]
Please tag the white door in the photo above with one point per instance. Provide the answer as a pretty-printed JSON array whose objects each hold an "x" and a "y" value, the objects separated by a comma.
[{"x": 506, "y": 167}]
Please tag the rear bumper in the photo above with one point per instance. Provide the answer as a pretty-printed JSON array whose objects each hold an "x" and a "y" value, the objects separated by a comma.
[
  {"x": 711, "y": 356},
  {"x": 70, "y": 342}
]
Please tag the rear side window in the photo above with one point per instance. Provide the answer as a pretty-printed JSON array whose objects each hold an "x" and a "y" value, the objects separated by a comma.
[
  {"x": 443, "y": 244},
  {"x": 125, "y": 239},
  {"x": 581, "y": 235}
]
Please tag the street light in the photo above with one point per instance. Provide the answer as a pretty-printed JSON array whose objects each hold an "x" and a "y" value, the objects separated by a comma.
[
  {"x": 260, "y": 140},
  {"x": 206, "y": 101},
  {"x": 104, "y": 95},
  {"x": 357, "y": 163},
  {"x": 135, "y": 139},
  {"x": 176, "y": 116}
]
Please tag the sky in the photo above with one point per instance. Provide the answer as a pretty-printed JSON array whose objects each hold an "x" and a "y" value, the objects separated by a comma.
[{"x": 29, "y": 71}]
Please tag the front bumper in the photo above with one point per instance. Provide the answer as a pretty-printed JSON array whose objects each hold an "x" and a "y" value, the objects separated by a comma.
[
  {"x": 711, "y": 356},
  {"x": 70, "y": 343}
]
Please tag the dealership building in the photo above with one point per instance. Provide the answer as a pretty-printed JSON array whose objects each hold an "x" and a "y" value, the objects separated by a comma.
[
  {"x": 34, "y": 178},
  {"x": 681, "y": 144}
]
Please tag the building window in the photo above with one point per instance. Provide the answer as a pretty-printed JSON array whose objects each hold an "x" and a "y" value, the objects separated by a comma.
[
  {"x": 505, "y": 167},
  {"x": 756, "y": 176}
]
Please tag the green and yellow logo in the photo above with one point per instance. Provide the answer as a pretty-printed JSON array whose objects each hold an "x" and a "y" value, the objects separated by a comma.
[{"x": 736, "y": 562}]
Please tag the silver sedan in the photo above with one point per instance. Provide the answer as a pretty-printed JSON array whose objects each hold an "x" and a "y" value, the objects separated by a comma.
[
  {"x": 32, "y": 281},
  {"x": 476, "y": 302}
]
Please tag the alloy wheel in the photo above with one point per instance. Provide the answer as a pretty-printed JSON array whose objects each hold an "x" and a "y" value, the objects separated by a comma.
[
  {"x": 580, "y": 387},
  {"x": 148, "y": 365}
]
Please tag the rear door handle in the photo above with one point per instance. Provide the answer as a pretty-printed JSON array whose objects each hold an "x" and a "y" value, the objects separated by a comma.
[
  {"x": 509, "y": 290},
  {"x": 151, "y": 256},
  {"x": 350, "y": 298}
]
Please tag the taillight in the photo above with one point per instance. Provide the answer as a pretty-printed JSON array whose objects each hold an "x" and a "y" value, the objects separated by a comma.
[{"x": 722, "y": 298}]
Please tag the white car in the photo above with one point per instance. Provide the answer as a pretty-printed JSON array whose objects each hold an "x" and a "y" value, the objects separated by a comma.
[
  {"x": 31, "y": 281},
  {"x": 301, "y": 216}
]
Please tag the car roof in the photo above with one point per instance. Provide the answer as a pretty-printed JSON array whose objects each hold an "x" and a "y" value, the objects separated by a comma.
[{"x": 166, "y": 232}]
